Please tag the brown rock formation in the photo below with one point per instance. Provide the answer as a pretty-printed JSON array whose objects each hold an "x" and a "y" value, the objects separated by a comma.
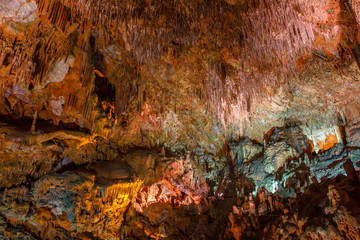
[{"x": 204, "y": 119}]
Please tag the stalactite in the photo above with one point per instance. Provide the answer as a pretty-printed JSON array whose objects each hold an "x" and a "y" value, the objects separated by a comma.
[
  {"x": 270, "y": 34},
  {"x": 70, "y": 102},
  {"x": 32, "y": 55},
  {"x": 356, "y": 8},
  {"x": 88, "y": 106}
]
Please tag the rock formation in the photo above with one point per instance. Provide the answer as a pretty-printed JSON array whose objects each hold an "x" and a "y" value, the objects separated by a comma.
[{"x": 204, "y": 119}]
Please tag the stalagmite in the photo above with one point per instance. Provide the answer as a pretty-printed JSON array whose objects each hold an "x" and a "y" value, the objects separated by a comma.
[
  {"x": 350, "y": 170},
  {"x": 33, "y": 125}
]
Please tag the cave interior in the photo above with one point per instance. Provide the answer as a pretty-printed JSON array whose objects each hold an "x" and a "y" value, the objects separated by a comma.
[{"x": 180, "y": 119}]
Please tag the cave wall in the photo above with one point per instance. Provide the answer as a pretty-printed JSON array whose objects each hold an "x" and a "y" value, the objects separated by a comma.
[{"x": 152, "y": 119}]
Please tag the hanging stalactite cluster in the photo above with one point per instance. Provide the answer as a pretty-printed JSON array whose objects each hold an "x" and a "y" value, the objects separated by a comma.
[
  {"x": 240, "y": 52},
  {"x": 269, "y": 33},
  {"x": 33, "y": 53}
]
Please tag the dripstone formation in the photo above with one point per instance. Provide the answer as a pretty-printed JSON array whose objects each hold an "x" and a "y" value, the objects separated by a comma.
[{"x": 204, "y": 119}]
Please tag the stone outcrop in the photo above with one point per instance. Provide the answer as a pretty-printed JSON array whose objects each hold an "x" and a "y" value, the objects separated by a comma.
[
  {"x": 282, "y": 145},
  {"x": 25, "y": 156},
  {"x": 174, "y": 181},
  {"x": 318, "y": 212},
  {"x": 148, "y": 194},
  {"x": 69, "y": 205},
  {"x": 196, "y": 93},
  {"x": 244, "y": 150},
  {"x": 161, "y": 221}
]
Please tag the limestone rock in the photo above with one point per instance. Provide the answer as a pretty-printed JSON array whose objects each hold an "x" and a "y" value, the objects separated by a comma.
[
  {"x": 115, "y": 170},
  {"x": 329, "y": 163},
  {"x": 282, "y": 144},
  {"x": 158, "y": 213},
  {"x": 24, "y": 155},
  {"x": 17, "y": 11},
  {"x": 63, "y": 204},
  {"x": 177, "y": 181},
  {"x": 8, "y": 232},
  {"x": 244, "y": 150},
  {"x": 352, "y": 128},
  {"x": 276, "y": 154},
  {"x": 90, "y": 91}
]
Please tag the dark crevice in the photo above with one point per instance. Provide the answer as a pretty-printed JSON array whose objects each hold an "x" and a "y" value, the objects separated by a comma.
[
  {"x": 74, "y": 127},
  {"x": 103, "y": 88},
  {"x": 45, "y": 126}
]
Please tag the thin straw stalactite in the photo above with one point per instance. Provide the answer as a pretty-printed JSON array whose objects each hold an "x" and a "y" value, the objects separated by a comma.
[
  {"x": 270, "y": 36},
  {"x": 270, "y": 33}
]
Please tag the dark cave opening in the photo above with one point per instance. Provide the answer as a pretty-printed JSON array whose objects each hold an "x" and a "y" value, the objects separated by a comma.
[{"x": 103, "y": 88}]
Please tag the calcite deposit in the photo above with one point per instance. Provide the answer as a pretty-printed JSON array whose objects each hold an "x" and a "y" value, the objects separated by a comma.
[{"x": 202, "y": 119}]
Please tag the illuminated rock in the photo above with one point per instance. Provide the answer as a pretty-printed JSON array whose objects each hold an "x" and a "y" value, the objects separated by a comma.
[
  {"x": 177, "y": 181},
  {"x": 283, "y": 144},
  {"x": 156, "y": 119},
  {"x": 18, "y": 11},
  {"x": 244, "y": 150},
  {"x": 352, "y": 113},
  {"x": 71, "y": 199}
]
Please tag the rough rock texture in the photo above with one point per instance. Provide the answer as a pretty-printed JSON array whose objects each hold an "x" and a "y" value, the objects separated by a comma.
[
  {"x": 146, "y": 194},
  {"x": 70, "y": 204},
  {"x": 283, "y": 144},
  {"x": 324, "y": 211},
  {"x": 25, "y": 156},
  {"x": 207, "y": 77},
  {"x": 244, "y": 150},
  {"x": 295, "y": 169},
  {"x": 9, "y": 232},
  {"x": 161, "y": 221},
  {"x": 17, "y": 11},
  {"x": 352, "y": 128},
  {"x": 175, "y": 181},
  {"x": 132, "y": 119}
]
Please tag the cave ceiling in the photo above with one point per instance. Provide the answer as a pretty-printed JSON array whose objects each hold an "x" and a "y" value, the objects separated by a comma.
[{"x": 180, "y": 73}]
